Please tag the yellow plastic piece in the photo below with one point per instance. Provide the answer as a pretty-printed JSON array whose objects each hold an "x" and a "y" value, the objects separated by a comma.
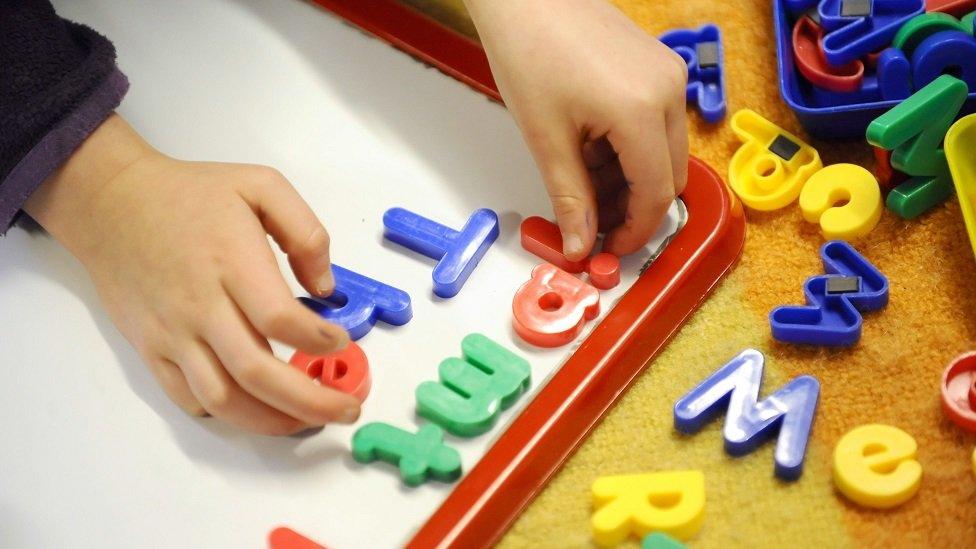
[
  {"x": 762, "y": 179},
  {"x": 672, "y": 502},
  {"x": 847, "y": 184},
  {"x": 875, "y": 466},
  {"x": 960, "y": 142}
]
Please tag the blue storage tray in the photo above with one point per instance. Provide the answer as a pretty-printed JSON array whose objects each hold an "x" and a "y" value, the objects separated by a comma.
[{"x": 836, "y": 122}]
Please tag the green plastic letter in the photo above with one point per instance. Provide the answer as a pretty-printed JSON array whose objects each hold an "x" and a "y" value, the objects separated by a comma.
[
  {"x": 473, "y": 391},
  {"x": 420, "y": 456},
  {"x": 913, "y": 131}
]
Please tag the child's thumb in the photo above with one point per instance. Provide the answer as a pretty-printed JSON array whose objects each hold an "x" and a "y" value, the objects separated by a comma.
[{"x": 568, "y": 183}]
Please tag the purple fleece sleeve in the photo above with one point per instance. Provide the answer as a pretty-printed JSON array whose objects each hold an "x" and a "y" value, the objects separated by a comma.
[{"x": 58, "y": 82}]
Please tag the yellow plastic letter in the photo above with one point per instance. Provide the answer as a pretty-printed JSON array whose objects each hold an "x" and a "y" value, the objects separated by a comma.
[
  {"x": 771, "y": 166},
  {"x": 960, "y": 143},
  {"x": 672, "y": 502},
  {"x": 850, "y": 184},
  {"x": 874, "y": 465}
]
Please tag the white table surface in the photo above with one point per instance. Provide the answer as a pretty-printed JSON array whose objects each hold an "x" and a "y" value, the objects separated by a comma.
[{"x": 93, "y": 454}]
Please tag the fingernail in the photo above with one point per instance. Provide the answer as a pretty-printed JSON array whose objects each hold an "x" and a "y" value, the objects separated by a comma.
[
  {"x": 325, "y": 283},
  {"x": 573, "y": 245},
  {"x": 348, "y": 415}
]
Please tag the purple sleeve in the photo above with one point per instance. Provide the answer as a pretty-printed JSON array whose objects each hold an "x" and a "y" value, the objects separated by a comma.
[{"x": 58, "y": 82}]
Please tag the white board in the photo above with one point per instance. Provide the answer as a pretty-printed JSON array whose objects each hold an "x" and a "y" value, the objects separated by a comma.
[{"x": 93, "y": 454}]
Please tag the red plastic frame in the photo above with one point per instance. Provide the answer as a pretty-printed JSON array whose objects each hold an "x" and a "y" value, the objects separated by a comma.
[
  {"x": 420, "y": 36},
  {"x": 530, "y": 451}
]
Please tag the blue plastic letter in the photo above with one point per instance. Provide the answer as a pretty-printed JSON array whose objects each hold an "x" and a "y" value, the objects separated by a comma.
[
  {"x": 457, "y": 252},
  {"x": 833, "y": 318},
  {"x": 946, "y": 52},
  {"x": 702, "y": 51},
  {"x": 852, "y": 36},
  {"x": 799, "y": 7},
  {"x": 359, "y": 301},
  {"x": 893, "y": 75},
  {"x": 891, "y": 82},
  {"x": 790, "y": 409}
]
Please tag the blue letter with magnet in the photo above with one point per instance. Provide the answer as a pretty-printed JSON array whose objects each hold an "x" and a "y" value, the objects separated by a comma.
[
  {"x": 855, "y": 28},
  {"x": 702, "y": 51},
  {"x": 457, "y": 252},
  {"x": 748, "y": 423},
  {"x": 833, "y": 317},
  {"x": 359, "y": 301}
]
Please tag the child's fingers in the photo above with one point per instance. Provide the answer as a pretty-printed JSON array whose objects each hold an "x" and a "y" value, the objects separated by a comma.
[
  {"x": 676, "y": 119},
  {"x": 611, "y": 212},
  {"x": 171, "y": 379},
  {"x": 275, "y": 383},
  {"x": 677, "y": 122},
  {"x": 609, "y": 183},
  {"x": 295, "y": 227},
  {"x": 224, "y": 399},
  {"x": 597, "y": 153},
  {"x": 559, "y": 156},
  {"x": 254, "y": 282},
  {"x": 644, "y": 153}
]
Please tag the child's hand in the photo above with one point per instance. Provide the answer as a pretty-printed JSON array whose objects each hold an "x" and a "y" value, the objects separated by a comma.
[
  {"x": 601, "y": 105},
  {"x": 180, "y": 256}
]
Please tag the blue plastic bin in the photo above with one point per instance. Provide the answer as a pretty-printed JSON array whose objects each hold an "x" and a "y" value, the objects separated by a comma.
[{"x": 836, "y": 122}]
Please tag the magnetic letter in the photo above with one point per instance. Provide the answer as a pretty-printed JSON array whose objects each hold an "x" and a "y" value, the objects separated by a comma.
[
  {"x": 771, "y": 166},
  {"x": 847, "y": 183},
  {"x": 283, "y": 537},
  {"x": 874, "y": 465},
  {"x": 542, "y": 238},
  {"x": 473, "y": 390},
  {"x": 851, "y": 36},
  {"x": 358, "y": 302},
  {"x": 944, "y": 53},
  {"x": 913, "y": 130},
  {"x": 457, "y": 252},
  {"x": 660, "y": 540},
  {"x": 420, "y": 456},
  {"x": 960, "y": 142},
  {"x": 551, "y": 308},
  {"x": 672, "y": 502},
  {"x": 813, "y": 65},
  {"x": 832, "y": 318},
  {"x": 703, "y": 53},
  {"x": 790, "y": 410},
  {"x": 346, "y": 370}
]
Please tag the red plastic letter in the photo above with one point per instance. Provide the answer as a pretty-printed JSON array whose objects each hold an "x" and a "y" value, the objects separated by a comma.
[
  {"x": 888, "y": 177},
  {"x": 346, "y": 371},
  {"x": 813, "y": 65},
  {"x": 286, "y": 538},
  {"x": 958, "y": 386},
  {"x": 972, "y": 395},
  {"x": 952, "y": 7},
  {"x": 550, "y": 309},
  {"x": 542, "y": 238}
]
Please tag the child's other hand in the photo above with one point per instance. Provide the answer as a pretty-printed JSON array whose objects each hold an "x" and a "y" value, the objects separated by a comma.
[
  {"x": 601, "y": 105},
  {"x": 180, "y": 256}
]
